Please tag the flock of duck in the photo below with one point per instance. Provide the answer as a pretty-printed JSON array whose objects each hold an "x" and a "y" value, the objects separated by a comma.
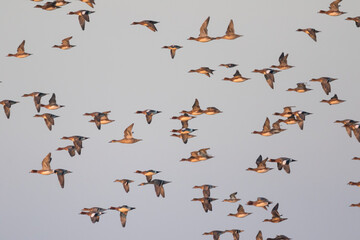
[{"x": 185, "y": 133}]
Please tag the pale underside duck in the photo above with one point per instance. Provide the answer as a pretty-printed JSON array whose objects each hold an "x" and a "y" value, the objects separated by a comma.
[
  {"x": 332, "y": 101},
  {"x": 128, "y": 137},
  {"x": 173, "y": 49},
  {"x": 203, "y": 70},
  {"x": 20, "y": 51},
  {"x": 260, "y": 202},
  {"x": 149, "y": 113},
  {"x": 206, "y": 202},
  {"x": 301, "y": 88},
  {"x": 69, "y": 148},
  {"x": 77, "y": 141},
  {"x": 150, "y": 24},
  {"x": 232, "y": 198},
  {"x": 7, "y": 105},
  {"x": 276, "y": 217},
  {"x": 240, "y": 212},
  {"x": 230, "y": 32},
  {"x": 236, "y": 77},
  {"x": 83, "y": 16},
  {"x": 268, "y": 74},
  {"x": 65, "y": 44},
  {"x": 124, "y": 209},
  {"x": 48, "y": 118},
  {"x": 203, "y": 36},
  {"x": 52, "y": 103},
  {"x": 37, "y": 98},
  {"x": 148, "y": 173},
  {"x": 125, "y": 183},
  {"x": 333, "y": 9},
  {"x": 261, "y": 166},
  {"x": 283, "y": 62},
  {"x": 159, "y": 186},
  {"x": 309, "y": 31}
]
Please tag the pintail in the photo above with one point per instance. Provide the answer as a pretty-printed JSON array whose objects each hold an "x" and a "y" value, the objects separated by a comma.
[
  {"x": 260, "y": 202},
  {"x": 216, "y": 234},
  {"x": 333, "y": 100},
  {"x": 46, "y": 168},
  {"x": 99, "y": 118},
  {"x": 203, "y": 70},
  {"x": 301, "y": 88},
  {"x": 69, "y": 148},
  {"x": 236, "y": 77},
  {"x": 125, "y": 183},
  {"x": 52, "y": 104},
  {"x": 235, "y": 233},
  {"x": 48, "y": 118},
  {"x": 203, "y": 36},
  {"x": 184, "y": 137},
  {"x": 333, "y": 9},
  {"x": 286, "y": 113},
  {"x": 309, "y": 31},
  {"x": 212, "y": 111},
  {"x": 283, "y": 162},
  {"x": 124, "y": 209},
  {"x": 77, "y": 141},
  {"x": 37, "y": 98},
  {"x": 20, "y": 51},
  {"x": 228, "y": 65},
  {"x": 159, "y": 186},
  {"x": 206, "y": 189},
  {"x": 91, "y": 3},
  {"x": 128, "y": 137},
  {"x": 173, "y": 49},
  {"x": 148, "y": 173},
  {"x": 283, "y": 62},
  {"x": 48, "y": 6},
  {"x": 60, "y": 173},
  {"x": 147, "y": 23},
  {"x": 206, "y": 202},
  {"x": 325, "y": 83},
  {"x": 354, "y": 183},
  {"x": 240, "y": 212},
  {"x": 196, "y": 110},
  {"x": 268, "y": 74},
  {"x": 65, "y": 44},
  {"x": 355, "y": 19},
  {"x": 276, "y": 217},
  {"x": 148, "y": 114},
  {"x": 230, "y": 32},
  {"x": 261, "y": 166},
  {"x": 7, "y": 105},
  {"x": 83, "y": 16},
  {"x": 232, "y": 198}
]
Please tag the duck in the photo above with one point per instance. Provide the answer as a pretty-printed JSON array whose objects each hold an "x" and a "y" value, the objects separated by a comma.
[
  {"x": 45, "y": 166},
  {"x": 173, "y": 49},
  {"x": 355, "y": 205},
  {"x": 301, "y": 88},
  {"x": 276, "y": 217},
  {"x": 356, "y": 158},
  {"x": 96, "y": 209},
  {"x": 7, "y": 105},
  {"x": 206, "y": 202},
  {"x": 268, "y": 74},
  {"x": 283, "y": 162},
  {"x": 149, "y": 113},
  {"x": 159, "y": 186},
  {"x": 333, "y": 9},
  {"x": 148, "y": 173},
  {"x": 293, "y": 120},
  {"x": 83, "y": 16},
  {"x": 287, "y": 112},
  {"x": 203, "y": 36},
  {"x": 301, "y": 114},
  {"x": 266, "y": 129},
  {"x": 184, "y": 137},
  {"x": 283, "y": 62},
  {"x": 276, "y": 127},
  {"x": 184, "y": 117},
  {"x": 124, "y": 209},
  {"x": 348, "y": 124},
  {"x": 232, "y": 198},
  {"x": 240, "y": 212},
  {"x": 260, "y": 202},
  {"x": 309, "y": 31},
  {"x": 202, "y": 154},
  {"x": 52, "y": 103},
  {"x": 354, "y": 183},
  {"x": 48, "y": 118},
  {"x": 20, "y": 51},
  {"x": 184, "y": 130},
  {"x": 150, "y": 24},
  {"x": 355, "y": 19},
  {"x": 236, "y": 77},
  {"x": 77, "y": 141},
  {"x": 125, "y": 183},
  {"x": 69, "y": 148},
  {"x": 206, "y": 189},
  {"x": 60, "y": 173},
  {"x": 48, "y": 6},
  {"x": 99, "y": 118},
  {"x": 212, "y": 111},
  {"x": 261, "y": 166},
  {"x": 235, "y": 233},
  {"x": 216, "y": 234},
  {"x": 37, "y": 98},
  {"x": 259, "y": 236},
  {"x": 60, "y": 3},
  {"x": 65, "y": 44},
  {"x": 93, "y": 213},
  {"x": 91, "y": 3},
  {"x": 230, "y": 32},
  {"x": 279, "y": 237},
  {"x": 128, "y": 137},
  {"x": 196, "y": 110},
  {"x": 203, "y": 70},
  {"x": 325, "y": 83},
  {"x": 228, "y": 65},
  {"x": 334, "y": 100}
]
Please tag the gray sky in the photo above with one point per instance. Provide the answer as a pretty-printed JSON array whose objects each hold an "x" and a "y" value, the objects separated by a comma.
[{"x": 122, "y": 68}]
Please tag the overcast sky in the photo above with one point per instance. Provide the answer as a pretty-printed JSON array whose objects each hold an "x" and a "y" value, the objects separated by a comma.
[{"x": 120, "y": 67}]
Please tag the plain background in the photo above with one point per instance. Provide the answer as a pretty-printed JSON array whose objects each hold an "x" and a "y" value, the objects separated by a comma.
[{"x": 119, "y": 67}]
